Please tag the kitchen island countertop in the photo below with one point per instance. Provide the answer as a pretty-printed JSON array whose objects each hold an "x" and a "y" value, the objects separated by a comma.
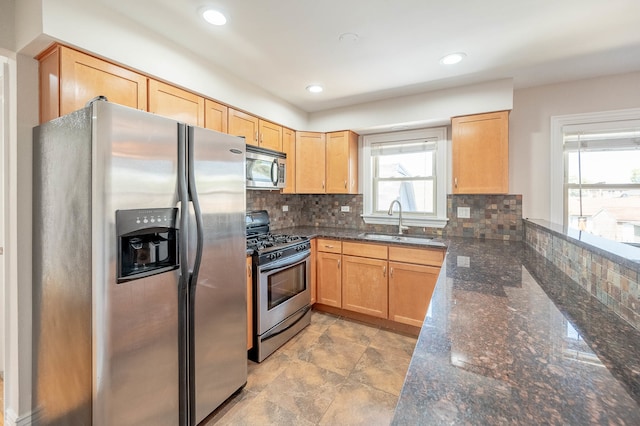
[{"x": 510, "y": 339}]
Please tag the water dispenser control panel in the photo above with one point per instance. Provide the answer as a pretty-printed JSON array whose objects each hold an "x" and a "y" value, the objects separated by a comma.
[{"x": 147, "y": 242}]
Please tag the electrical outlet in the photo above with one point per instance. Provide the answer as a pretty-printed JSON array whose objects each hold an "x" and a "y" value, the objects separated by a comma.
[
  {"x": 285, "y": 208},
  {"x": 464, "y": 212},
  {"x": 345, "y": 209}
]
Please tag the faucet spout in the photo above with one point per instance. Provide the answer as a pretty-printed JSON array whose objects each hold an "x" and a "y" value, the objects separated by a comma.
[{"x": 390, "y": 213}]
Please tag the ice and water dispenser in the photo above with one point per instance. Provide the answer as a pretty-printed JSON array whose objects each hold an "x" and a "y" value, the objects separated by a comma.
[{"x": 147, "y": 242}]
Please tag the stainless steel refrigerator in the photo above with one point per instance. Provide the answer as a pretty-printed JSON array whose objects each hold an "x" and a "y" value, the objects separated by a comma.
[{"x": 139, "y": 297}]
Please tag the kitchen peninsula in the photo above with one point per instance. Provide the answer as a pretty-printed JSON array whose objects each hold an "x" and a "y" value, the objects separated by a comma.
[{"x": 510, "y": 339}]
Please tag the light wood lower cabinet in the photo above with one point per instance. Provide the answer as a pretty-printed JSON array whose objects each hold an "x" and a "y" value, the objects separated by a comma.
[
  {"x": 364, "y": 285},
  {"x": 249, "y": 303},
  {"x": 390, "y": 282},
  {"x": 329, "y": 273},
  {"x": 410, "y": 290}
]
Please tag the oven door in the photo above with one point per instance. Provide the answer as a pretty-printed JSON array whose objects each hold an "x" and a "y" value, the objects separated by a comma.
[{"x": 282, "y": 289}]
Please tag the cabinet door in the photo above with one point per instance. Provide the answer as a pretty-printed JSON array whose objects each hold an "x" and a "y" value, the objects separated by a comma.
[
  {"x": 364, "y": 286},
  {"x": 83, "y": 77},
  {"x": 249, "y": 303},
  {"x": 289, "y": 148},
  {"x": 243, "y": 124},
  {"x": 310, "y": 163},
  {"x": 329, "y": 279},
  {"x": 270, "y": 135},
  {"x": 410, "y": 290},
  {"x": 342, "y": 163},
  {"x": 172, "y": 102},
  {"x": 480, "y": 145},
  {"x": 215, "y": 116}
]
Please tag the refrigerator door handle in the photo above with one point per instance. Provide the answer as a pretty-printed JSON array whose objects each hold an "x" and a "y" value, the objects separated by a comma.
[
  {"x": 183, "y": 280},
  {"x": 193, "y": 195}
]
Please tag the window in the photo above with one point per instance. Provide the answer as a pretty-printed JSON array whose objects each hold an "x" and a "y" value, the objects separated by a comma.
[
  {"x": 601, "y": 175},
  {"x": 410, "y": 167}
]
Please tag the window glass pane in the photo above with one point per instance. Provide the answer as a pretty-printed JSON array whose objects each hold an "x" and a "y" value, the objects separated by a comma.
[
  {"x": 605, "y": 167},
  {"x": 610, "y": 213},
  {"x": 415, "y": 196},
  {"x": 418, "y": 164}
]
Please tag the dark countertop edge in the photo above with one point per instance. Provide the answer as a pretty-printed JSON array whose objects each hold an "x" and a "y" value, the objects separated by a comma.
[
  {"x": 626, "y": 255},
  {"x": 350, "y": 234}
]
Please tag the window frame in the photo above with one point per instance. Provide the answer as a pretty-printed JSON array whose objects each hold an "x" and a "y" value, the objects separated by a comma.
[
  {"x": 574, "y": 122},
  {"x": 441, "y": 175}
]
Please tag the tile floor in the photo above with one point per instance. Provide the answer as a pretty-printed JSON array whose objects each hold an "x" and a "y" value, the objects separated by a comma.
[{"x": 335, "y": 372}]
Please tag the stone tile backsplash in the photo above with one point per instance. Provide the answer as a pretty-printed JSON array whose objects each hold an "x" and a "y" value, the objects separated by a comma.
[
  {"x": 492, "y": 216},
  {"x": 609, "y": 281}
]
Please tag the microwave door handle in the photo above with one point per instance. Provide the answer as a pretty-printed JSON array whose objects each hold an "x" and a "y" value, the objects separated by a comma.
[{"x": 274, "y": 172}]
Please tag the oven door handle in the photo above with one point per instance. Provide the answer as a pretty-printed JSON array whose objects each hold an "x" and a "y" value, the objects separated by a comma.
[
  {"x": 286, "y": 324},
  {"x": 286, "y": 262}
]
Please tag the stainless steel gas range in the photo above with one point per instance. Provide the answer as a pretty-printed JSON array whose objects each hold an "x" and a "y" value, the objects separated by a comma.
[{"x": 281, "y": 280}]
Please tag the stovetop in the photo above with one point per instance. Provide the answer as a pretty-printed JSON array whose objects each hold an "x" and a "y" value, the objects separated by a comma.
[
  {"x": 262, "y": 242},
  {"x": 269, "y": 246}
]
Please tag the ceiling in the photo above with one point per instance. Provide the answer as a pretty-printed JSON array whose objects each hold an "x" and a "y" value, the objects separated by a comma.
[{"x": 283, "y": 46}]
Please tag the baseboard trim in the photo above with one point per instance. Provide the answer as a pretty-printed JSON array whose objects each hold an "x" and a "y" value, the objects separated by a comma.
[
  {"x": 409, "y": 330},
  {"x": 12, "y": 419}
]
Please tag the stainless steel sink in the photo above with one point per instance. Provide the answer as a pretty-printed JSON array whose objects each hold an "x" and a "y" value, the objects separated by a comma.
[{"x": 392, "y": 238}]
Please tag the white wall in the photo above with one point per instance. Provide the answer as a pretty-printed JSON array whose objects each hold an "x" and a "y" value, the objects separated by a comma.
[
  {"x": 3, "y": 140},
  {"x": 529, "y": 138},
  {"x": 7, "y": 37},
  {"x": 432, "y": 108},
  {"x": 92, "y": 27}
]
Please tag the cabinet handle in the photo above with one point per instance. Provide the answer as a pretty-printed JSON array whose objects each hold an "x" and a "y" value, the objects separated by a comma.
[
  {"x": 322, "y": 184},
  {"x": 345, "y": 184},
  {"x": 455, "y": 182},
  {"x": 338, "y": 263},
  {"x": 256, "y": 136},
  {"x": 261, "y": 137},
  {"x": 391, "y": 272},
  {"x": 384, "y": 271}
]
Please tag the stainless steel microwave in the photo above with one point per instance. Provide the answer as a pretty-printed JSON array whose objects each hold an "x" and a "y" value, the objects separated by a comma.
[{"x": 266, "y": 169}]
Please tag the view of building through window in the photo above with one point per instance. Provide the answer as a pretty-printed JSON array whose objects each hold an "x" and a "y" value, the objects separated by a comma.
[
  {"x": 602, "y": 183},
  {"x": 405, "y": 173}
]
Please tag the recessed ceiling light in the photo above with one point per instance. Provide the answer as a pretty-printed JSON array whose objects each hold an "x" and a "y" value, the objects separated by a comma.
[
  {"x": 452, "y": 58},
  {"x": 314, "y": 88},
  {"x": 349, "y": 37},
  {"x": 214, "y": 17}
]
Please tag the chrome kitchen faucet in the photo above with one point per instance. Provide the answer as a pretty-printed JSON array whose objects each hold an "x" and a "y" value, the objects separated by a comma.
[{"x": 390, "y": 213}]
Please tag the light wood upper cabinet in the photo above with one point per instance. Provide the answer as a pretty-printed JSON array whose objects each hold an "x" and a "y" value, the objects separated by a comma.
[
  {"x": 69, "y": 79},
  {"x": 310, "y": 162},
  {"x": 289, "y": 148},
  {"x": 270, "y": 135},
  {"x": 342, "y": 163},
  {"x": 243, "y": 124},
  {"x": 326, "y": 163},
  {"x": 215, "y": 116},
  {"x": 178, "y": 104},
  {"x": 480, "y": 145}
]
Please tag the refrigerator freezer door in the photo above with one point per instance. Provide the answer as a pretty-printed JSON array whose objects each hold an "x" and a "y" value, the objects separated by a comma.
[
  {"x": 218, "y": 298},
  {"x": 136, "y": 323}
]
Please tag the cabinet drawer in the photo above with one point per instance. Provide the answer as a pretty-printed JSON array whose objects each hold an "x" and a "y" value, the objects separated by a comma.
[
  {"x": 375, "y": 251},
  {"x": 420, "y": 256},
  {"x": 329, "y": 246}
]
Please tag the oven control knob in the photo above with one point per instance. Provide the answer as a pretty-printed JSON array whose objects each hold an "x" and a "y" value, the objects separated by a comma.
[{"x": 279, "y": 254}]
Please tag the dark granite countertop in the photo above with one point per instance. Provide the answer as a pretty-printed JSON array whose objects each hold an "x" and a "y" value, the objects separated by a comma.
[{"x": 510, "y": 339}]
